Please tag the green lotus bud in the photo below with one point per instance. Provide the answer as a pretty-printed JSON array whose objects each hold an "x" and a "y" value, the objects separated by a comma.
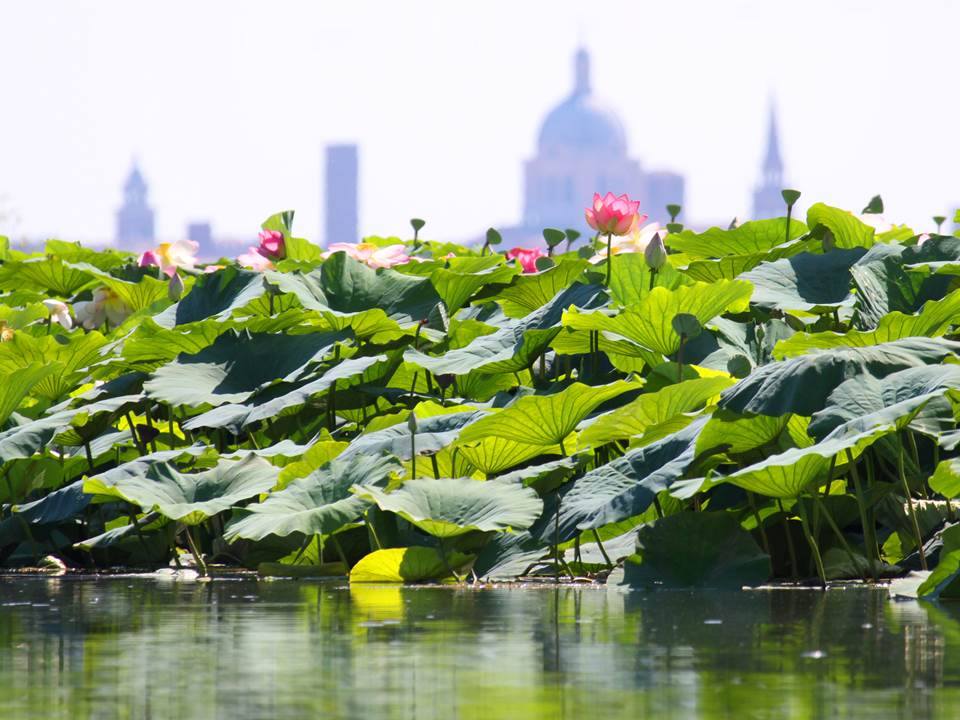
[
  {"x": 790, "y": 197},
  {"x": 739, "y": 366},
  {"x": 412, "y": 423},
  {"x": 493, "y": 237},
  {"x": 175, "y": 287},
  {"x": 686, "y": 325},
  {"x": 655, "y": 253}
]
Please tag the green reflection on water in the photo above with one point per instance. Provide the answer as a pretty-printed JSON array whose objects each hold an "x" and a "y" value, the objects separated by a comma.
[{"x": 139, "y": 648}]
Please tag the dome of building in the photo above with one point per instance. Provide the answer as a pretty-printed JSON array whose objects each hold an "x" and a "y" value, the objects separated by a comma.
[{"x": 580, "y": 123}]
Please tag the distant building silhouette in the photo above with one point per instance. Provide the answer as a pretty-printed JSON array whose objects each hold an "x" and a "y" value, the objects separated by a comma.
[
  {"x": 340, "y": 194},
  {"x": 200, "y": 232},
  {"x": 135, "y": 216},
  {"x": 767, "y": 200},
  {"x": 582, "y": 149}
]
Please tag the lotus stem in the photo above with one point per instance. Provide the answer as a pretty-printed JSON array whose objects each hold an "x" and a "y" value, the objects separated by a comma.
[
  {"x": 436, "y": 466},
  {"x": 794, "y": 567},
  {"x": 812, "y": 541},
  {"x": 836, "y": 530},
  {"x": 862, "y": 506},
  {"x": 751, "y": 498},
  {"x": 343, "y": 557},
  {"x": 596, "y": 536},
  {"x": 192, "y": 543},
  {"x": 89, "y": 454},
  {"x": 918, "y": 538},
  {"x": 609, "y": 258}
]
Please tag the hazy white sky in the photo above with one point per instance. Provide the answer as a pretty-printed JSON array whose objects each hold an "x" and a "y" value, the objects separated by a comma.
[{"x": 227, "y": 104}]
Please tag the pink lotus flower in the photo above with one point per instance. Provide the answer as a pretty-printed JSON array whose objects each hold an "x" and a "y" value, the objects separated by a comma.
[
  {"x": 527, "y": 257},
  {"x": 611, "y": 215},
  {"x": 272, "y": 245},
  {"x": 254, "y": 260},
  {"x": 372, "y": 255},
  {"x": 171, "y": 256}
]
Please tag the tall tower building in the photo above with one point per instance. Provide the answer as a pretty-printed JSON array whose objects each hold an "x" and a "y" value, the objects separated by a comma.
[
  {"x": 135, "y": 216},
  {"x": 767, "y": 201},
  {"x": 340, "y": 206}
]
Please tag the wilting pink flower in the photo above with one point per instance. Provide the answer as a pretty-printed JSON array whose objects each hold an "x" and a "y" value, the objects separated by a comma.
[
  {"x": 272, "y": 245},
  {"x": 373, "y": 255},
  {"x": 527, "y": 257},
  {"x": 635, "y": 241},
  {"x": 171, "y": 256},
  {"x": 611, "y": 215},
  {"x": 106, "y": 305},
  {"x": 254, "y": 260}
]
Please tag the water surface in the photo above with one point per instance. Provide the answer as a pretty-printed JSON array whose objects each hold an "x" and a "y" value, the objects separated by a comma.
[{"x": 141, "y": 648}]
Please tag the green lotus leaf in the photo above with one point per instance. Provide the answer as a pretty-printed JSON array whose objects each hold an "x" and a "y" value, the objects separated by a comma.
[
  {"x": 932, "y": 321},
  {"x": 545, "y": 419},
  {"x": 71, "y": 356},
  {"x": 695, "y": 550},
  {"x": 18, "y": 383},
  {"x": 946, "y": 478},
  {"x": 409, "y": 564},
  {"x": 528, "y": 293},
  {"x": 631, "y": 278},
  {"x": 135, "y": 295},
  {"x": 432, "y": 434},
  {"x": 44, "y": 273},
  {"x": 280, "y": 398},
  {"x": 848, "y": 231},
  {"x": 316, "y": 456},
  {"x": 627, "y": 486},
  {"x": 215, "y": 295},
  {"x": 465, "y": 276},
  {"x": 789, "y": 473},
  {"x": 801, "y": 385},
  {"x": 150, "y": 345},
  {"x": 492, "y": 455},
  {"x": 895, "y": 399},
  {"x": 942, "y": 582},
  {"x": 651, "y": 409},
  {"x": 650, "y": 322},
  {"x": 757, "y": 236},
  {"x": 448, "y": 507},
  {"x": 236, "y": 365},
  {"x": 189, "y": 498},
  {"x": 738, "y": 433},
  {"x": 515, "y": 346},
  {"x": 508, "y": 555},
  {"x": 724, "y": 268},
  {"x": 318, "y": 504},
  {"x": 73, "y": 252},
  {"x": 808, "y": 282}
]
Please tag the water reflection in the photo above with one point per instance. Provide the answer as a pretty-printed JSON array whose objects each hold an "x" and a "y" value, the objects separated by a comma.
[{"x": 138, "y": 648}]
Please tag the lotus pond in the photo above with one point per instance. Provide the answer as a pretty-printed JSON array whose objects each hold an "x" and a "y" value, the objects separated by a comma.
[
  {"x": 774, "y": 401},
  {"x": 126, "y": 647}
]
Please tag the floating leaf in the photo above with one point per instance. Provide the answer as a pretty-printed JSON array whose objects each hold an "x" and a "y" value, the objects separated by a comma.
[{"x": 410, "y": 564}]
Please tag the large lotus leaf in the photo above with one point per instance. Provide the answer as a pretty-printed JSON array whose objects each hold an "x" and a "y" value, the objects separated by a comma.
[
  {"x": 739, "y": 434},
  {"x": 73, "y": 252},
  {"x": 883, "y": 284},
  {"x": 18, "y": 383},
  {"x": 72, "y": 356},
  {"x": 283, "y": 397},
  {"x": 727, "y": 340},
  {"x": 696, "y": 550},
  {"x": 864, "y": 401},
  {"x": 493, "y": 455},
  {"x": 215, "y": 295},
  {"x": 545, "y": 419},
  {"x": 650, "y": 322},
  {"x": 933, "y": 320},
  {"x": 44, "y": 273},
  {"x": 847, "y": 230},
  {"x": 24, "y": 440},
  {"x": 432, "y": 435},
  {"x": 757, "y": 236},
  {"x": 514, "y": 346},
  {"x": 236, "y": 365},
  {"x": 316, "y": 456},
  {"x": 135, "y": 295},
  {"x": 789, "y": 473},
  {"x": 63, "y": 504},
  {"x": 650, "y": 409},
  {"x": 946, "y": 478},
  {"x": 189, "y": 498},
  {"x": 808, "y": 282},
  {"x": 457, "y": 283},
  {"x": 318, "y": 504},
  {"x": 801, "y": 385},
  {"x": 548, "y": 474},
  {"x": 409, "y": 564},
  {"x": 508, "y": 555},
  {"x": 447, "y": 507},
  {"x": 528, "y": 293},
  {"x": 578, "y": 342},
  {"x": 724, "y": 268},
  {"x": 627, "y": 486},
  {"x": 151, "y": 345},
  {"x": 87, "y": 425},
  {"x": 351, "y": 286}
]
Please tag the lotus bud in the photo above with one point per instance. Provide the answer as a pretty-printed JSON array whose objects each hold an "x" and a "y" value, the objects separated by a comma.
[
  {"x": 655, "y": 253},
  {"x": 175, "y": 287}
]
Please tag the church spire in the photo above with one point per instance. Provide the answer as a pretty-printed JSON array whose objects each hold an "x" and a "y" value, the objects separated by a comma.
[
  {"x": 773, "y": 164},
  {"x": 767, "y": 201},
  {"x": 581, "y": 72}
]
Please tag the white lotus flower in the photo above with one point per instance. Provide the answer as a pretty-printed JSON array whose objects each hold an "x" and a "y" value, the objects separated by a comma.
[{"x": 59, "y": 313}]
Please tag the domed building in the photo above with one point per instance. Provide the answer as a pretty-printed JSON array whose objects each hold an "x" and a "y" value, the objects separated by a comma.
[{"x": 582, "y": 149}]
